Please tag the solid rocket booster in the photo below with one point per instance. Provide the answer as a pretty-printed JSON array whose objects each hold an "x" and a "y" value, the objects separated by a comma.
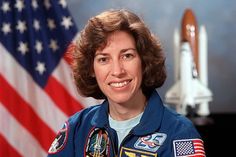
[{"x": 189, "y": 33}]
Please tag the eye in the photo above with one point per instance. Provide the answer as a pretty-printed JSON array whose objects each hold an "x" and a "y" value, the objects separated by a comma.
[
  {"x": 102, "y": 60},
  {"x": 128, "y": 56}
]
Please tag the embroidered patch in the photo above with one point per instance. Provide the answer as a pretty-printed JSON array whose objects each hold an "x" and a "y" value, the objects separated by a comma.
[
  {"x": 97, "y": 143},
  {"x": 189, "y": 147},
  {"x": 135, "y": 153},
  {"x": 60, "y": 140},
  {"x": 150, "y": 142}
]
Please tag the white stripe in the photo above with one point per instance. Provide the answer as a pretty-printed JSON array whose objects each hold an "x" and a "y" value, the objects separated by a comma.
[
  {"x": 18, "y": 137},
  {"x": 63, "y": 74},
  {"x": 23, "y": 83},
  {"x": 198, "y": 147}
]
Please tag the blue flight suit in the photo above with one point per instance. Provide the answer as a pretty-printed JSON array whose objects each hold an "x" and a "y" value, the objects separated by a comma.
[{"x": 161, "y": 132}]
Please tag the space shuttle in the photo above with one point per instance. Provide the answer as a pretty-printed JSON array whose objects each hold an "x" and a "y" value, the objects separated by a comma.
[{"x": 190, "y": 93}]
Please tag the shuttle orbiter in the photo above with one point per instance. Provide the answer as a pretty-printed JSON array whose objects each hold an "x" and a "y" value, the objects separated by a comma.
[{"x": 190, "y": 91}]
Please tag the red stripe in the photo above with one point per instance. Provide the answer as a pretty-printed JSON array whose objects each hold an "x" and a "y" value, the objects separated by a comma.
[
  {"x": 23, "y": 112},
  {"x": 61, "y": 97},
  {"x": 6, "y": 149},
  {"x": 196, "y": 155}
]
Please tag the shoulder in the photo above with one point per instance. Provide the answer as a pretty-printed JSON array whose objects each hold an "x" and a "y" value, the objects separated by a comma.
[
  {"x": 175, "y": 118},
  {"x": 182, "y": 136},
  {"x": 84, "y": 114},
  {"x": 63, "y": 142},
  {"x": 179, "y": 124}
]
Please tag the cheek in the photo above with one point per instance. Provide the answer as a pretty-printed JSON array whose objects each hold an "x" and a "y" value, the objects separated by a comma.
[
  {"x": 100, "y": 73},
  {"x": 138, "y": 69},
  {"x": 139, "y": 73},
  {"x": 95, "y": 69}
]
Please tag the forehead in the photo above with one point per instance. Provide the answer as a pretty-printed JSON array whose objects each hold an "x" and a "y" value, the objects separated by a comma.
[{"x": 119, "y": 40}]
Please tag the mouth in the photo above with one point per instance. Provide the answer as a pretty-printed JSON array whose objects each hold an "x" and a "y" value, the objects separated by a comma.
[{"x": 119, "y": 84}]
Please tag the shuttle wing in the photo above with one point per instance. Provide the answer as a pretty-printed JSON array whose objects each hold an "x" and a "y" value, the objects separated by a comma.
[{"x": 199, "y": 93}]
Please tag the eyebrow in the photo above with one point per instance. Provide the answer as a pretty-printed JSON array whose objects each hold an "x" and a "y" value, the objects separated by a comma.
[
  {"x": 101, "y": 53},
  {"x": 122, "y": 51}
]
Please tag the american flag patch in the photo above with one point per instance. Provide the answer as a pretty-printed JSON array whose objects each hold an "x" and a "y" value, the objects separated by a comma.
[{"x": 189, "y": 148}]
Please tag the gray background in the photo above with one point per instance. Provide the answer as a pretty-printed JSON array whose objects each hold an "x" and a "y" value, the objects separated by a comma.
[{"x": 163, "y": 16}]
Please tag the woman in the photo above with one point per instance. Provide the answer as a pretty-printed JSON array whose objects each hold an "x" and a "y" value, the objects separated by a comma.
[{"x": 118, "y": 59}]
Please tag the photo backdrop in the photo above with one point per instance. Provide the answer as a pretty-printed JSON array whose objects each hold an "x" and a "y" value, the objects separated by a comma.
[{"x": 163, "y": 16}]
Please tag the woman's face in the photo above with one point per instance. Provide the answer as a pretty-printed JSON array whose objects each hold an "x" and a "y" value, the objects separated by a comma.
[{"x": 118, "y": 69}]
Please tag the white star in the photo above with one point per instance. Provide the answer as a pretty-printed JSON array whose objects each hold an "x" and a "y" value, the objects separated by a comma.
[
  {"x": 5, "y": 7},
  {"x": 38, "y": 46},
  {"x": 66, "y": 22},
  {"x": 63, "y": 3},
  {"x": 47, "y": 4},
  {"x": 6, "y": 28},
  {"x": 51, "y": 24},
  {"x": 19, "y": 5},
  {"x": 36, "y": 25},
  {"x": 23, "y": 48},
  {"x": 40, "y": 67},
  {"x": 53, "y": 45},
  {"x": 34, "y": 4},
  {"x": 21, "y": 26}
]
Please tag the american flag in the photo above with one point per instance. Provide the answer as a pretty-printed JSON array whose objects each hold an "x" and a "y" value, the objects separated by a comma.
[
  {"x": 189, "y": 148},
  {"x": 37, "y": 93}
]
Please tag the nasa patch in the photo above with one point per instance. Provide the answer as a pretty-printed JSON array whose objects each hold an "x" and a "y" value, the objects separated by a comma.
[
  {"x": 150, "y": 142},
  {"x": 60, "y": 140},
  {"x": 97, "y": 143}
]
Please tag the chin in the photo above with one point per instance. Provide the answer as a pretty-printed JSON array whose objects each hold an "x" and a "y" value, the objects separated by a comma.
[{"x": 121, "y": 99}]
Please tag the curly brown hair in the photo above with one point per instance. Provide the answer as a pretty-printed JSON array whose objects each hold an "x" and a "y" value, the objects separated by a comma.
[{"x": 94, "y": 37}]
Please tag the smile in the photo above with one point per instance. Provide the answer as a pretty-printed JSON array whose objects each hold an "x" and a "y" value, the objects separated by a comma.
[{"x": 119, "y": 84}]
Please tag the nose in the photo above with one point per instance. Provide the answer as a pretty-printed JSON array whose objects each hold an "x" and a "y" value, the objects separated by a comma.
[{"x": 117, "y": 69}]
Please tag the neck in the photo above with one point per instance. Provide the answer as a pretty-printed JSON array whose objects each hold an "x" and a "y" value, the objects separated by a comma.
[{"x": 127, "y": 110}]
